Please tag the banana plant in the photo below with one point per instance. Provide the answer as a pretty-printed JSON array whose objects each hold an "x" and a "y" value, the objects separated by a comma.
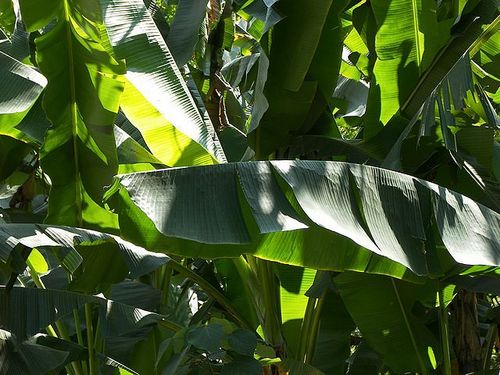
[{"x": 118, "y": 117}]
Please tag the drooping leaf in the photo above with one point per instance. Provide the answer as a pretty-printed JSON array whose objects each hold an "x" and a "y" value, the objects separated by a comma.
[
  {"x": 266, "y": 15},
  {"x": 21, "y": 85},
  {"x": 137, "y": 260},
  {"x": 183, "y": 33},
  {"x": 479, "y": 23},
  {"x": 26, "y": 311},
  {"x": 28, "y": 357},
  {"x": 304, "y": 59},
  {"x": 156, "y": 99},
  {"x": 335, "y": 216},
  {"x": 16, "y": 42}
]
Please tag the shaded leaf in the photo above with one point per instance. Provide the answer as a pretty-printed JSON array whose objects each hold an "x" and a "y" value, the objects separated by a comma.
[
  {"x": 207, "y": 337},
  {"x": 334, "y": 215},
  {"x": 243, "y": 342},
  {"x": 382, "y": 309}
]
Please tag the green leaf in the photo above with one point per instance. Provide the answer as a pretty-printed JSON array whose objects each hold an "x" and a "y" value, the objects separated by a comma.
[
  {"x": 297, "y": 367},
  {"x": 294, "y": 283},
  {"x": 304, "y": 61},
  {"x": 298, "y": 45},
  {"x": 28, "y": 357},
  {"x": 207, "y": 337},
  {"x": 136, "y": 294},
  {"x": 242, "y": 366},
  {"x": 132, "y": 157},
  {"x": 21, "y": 85},
  {"x": 236, "y": 276},
  {"x": 81, "y": 101},
  {"x": 480, "y": 284},
  {"x": 364, "y": 361},
  {"x": 67, "y": 240},
  {"x": 7, "y": 17},
  {"x": 333, "y": 344},
  {"x": 243, "y": 342},
  {"x": 408, "y": 37},
  {"x": 322, "y": 215},
  {"x": 38, "y": 261},
  {"x": 37, "y": 15},
  {"x": 26, "y": 311},
  {"x": 479, "y": 23},
  {"x": 184, "y": 29},
  {"x": 156, "y": 99},
  {"x": 12, "y": 153},
  {"x": 382, "y": 309}
]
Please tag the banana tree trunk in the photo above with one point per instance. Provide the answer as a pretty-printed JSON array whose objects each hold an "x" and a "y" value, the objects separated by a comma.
[{"x": 466, "y": 341}]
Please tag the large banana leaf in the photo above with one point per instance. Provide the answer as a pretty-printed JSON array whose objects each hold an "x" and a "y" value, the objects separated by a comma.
[
  {"x": 304, "y": 59},
  {"x": 480, "y": 23},
  {"x": 186, "y": 24},
  {"x": 408, "y": 37},
  {"x": 81, "y": 101},
  {"x": 156, "y": 99},
  {"x": 27, "y": 311},
  {"x": 28, "y": 357},
  {"x": 322, "y": 215},
  {"x": 333, "y": 344},
  {"x": 137, "y": 260},
  {"x": 21, "y": 85},
  {"x": 382, "y": 309}
]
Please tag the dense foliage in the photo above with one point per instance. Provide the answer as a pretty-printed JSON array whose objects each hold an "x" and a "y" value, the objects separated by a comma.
[{"x": 249, "y": 187}]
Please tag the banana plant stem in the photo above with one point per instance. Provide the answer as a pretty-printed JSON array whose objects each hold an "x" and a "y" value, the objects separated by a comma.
[
  {"x": 305, "y": 329},
  {"x": 314, "y": 326},
  {"x": 90, "y": 339},
  {"x": 270, "y": 298},
  {"x": 79, "y": 336},
  {"x": 72, "y": 369},
  {"x": 445, "y": 341}
]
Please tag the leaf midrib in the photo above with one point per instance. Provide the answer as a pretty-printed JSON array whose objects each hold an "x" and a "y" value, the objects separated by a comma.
[
  {"x": 408, "y": 327},
  {"x": 73, "y": 112},
  {"x": 416, "y": 27}
]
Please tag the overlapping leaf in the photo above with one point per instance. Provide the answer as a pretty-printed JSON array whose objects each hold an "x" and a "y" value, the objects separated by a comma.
[
  {"x": 137, "y": 260},
  {"x": 186, "y": 24},
  {"x": 323, "y": 215},
  {"x": 156, "y": 99},
  {"x": 26, "y": 311},
  {"x": 408, "y": 37},
  {"x": 304, "y": 60},
  {"x": 21, "y": 85},
  {"x": 389, "y": 325},
  {"x": 81, "y": 101}
]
